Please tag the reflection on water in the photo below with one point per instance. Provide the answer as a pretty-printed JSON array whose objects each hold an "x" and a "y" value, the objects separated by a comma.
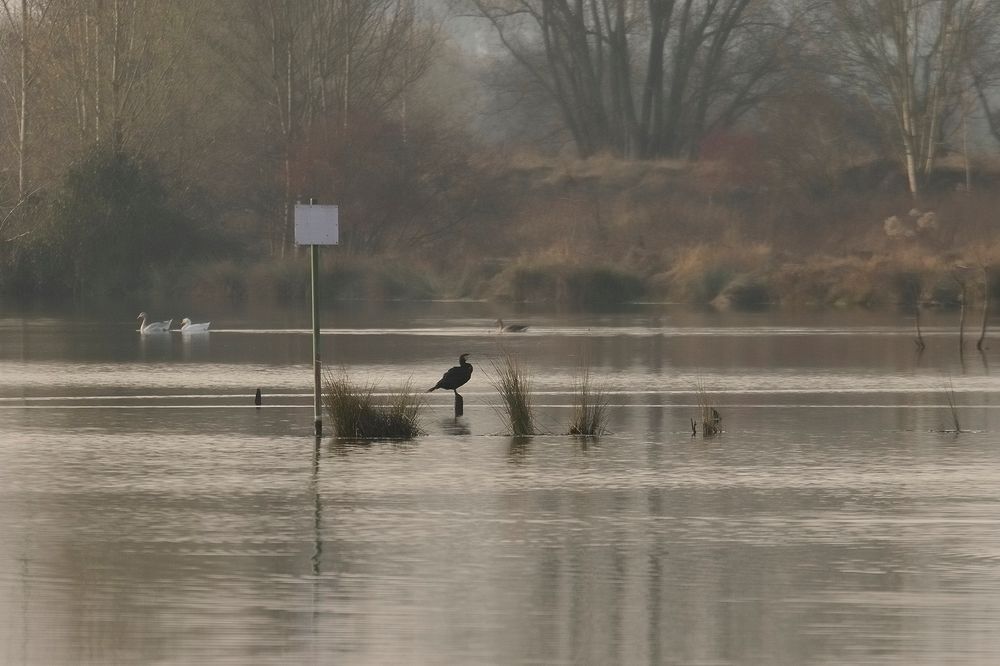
[
  {"x": 455, "y": 425},
  {"x": 150, "y": 514}
]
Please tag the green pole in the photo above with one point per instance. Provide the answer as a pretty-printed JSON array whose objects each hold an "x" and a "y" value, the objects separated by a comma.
[{"x": 317, "y": 403}]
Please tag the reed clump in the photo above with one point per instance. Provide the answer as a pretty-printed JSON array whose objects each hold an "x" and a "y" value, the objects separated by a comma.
[
  {"x": 356, "y": 412},
  {"x": 711, "y": 420},
  {"x": 590, "y": 409},
  {"x": 511, "y": 382}
]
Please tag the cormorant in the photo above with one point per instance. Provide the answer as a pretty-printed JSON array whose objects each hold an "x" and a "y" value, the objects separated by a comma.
[
  {"x": 511, "y": 328},
  {"x": 455, "y": 377}
]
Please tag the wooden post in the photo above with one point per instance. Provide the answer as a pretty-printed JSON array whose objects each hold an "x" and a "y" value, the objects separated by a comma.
[
  {"x": 459, "y": 404},
  {"x": 316, "y": 225},
  {"x": 961, "y": 316},
  {"x": 317, "y": 402},
  {"x": 986, "y": 308}
]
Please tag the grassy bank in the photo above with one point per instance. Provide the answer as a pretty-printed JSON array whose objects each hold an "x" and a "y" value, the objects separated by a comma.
[
  {"x": 601, "y": 232},
  {"x": 747, "y": 276}
]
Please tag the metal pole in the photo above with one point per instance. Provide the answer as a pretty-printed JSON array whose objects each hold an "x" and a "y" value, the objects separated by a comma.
[{"x": 317, "y": 403}]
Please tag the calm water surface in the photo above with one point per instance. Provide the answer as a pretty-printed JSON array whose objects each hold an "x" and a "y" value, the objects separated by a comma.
[{"x": 150, "y": 514}]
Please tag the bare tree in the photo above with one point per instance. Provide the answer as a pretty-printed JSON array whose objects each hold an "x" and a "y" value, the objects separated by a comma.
[
  {"x": 24, "y": 19},
  {"x": 647, "y": 79},
  {"x": 984, "y": 68},
  {"x": 115, "y": 67},
  {"x": 315, "y": 61},
  {"x": 910, "y": 58}
]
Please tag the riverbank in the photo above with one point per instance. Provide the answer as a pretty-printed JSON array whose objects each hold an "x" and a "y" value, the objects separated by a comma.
[
  {"x": 722, "y": 277},
  {"x": 602, "y": 231}
]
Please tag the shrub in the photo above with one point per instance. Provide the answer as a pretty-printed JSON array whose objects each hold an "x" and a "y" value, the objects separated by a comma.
[
  {"x": 574, "y": 284},
  {"x": 745, "y": 291},
  {"x": 908, "y": 286},
  {"x": 113, "y": 223}
]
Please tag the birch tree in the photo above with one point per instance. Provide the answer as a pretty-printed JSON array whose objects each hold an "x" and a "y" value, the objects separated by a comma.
[
  {"x": 24, "y": 19},
  {"x": 909, "y": 58},
  {"x": 116, "y": 62}
]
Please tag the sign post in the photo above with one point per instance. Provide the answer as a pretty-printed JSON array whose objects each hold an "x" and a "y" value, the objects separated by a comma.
[{"x": 316, "y": 225}]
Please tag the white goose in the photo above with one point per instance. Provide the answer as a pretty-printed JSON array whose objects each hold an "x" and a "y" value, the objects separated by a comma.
[
  {"x": 510, "y": 328},
  {"x": 188, "y": 327},
  {"x": 153, "y": 326}
]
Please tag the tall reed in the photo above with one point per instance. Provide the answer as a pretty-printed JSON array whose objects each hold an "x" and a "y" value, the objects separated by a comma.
[
  {"x": 590, "y": 408},
  {"x": 511, "y": 382},
  {"x": 952, "y": 407},
  {"x": 711, "y": 420},
  {"x": 355, "y": 412}
]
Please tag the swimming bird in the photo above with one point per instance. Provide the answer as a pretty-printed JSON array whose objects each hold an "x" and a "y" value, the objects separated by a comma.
[
  {"x": 153, "y": 326},
  {"x": 511, "y": 328},
  {"x": 188, "y": 327},
  {"x": 455, "y": 377}
]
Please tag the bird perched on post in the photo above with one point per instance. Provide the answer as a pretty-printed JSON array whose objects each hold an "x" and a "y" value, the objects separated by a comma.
[{"x": 455, "y": 377}]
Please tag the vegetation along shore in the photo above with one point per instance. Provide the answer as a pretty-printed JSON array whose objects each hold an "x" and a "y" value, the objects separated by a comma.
[{"x": 772, "y": 163}]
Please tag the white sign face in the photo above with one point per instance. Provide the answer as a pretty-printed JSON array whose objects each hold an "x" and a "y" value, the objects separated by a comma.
[{"x": 316, "y": 225}]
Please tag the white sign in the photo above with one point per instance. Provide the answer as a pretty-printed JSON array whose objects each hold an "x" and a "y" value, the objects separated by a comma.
[{"x": 316, "y": 225}]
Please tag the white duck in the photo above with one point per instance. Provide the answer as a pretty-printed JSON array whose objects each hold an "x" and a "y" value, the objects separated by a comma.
[
  {"x": 153, "y": 326},
  {"x": 188, "y": 327}
]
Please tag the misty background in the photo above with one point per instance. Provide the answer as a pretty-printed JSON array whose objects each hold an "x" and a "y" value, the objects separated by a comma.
[{"x": 596, "y": 151}]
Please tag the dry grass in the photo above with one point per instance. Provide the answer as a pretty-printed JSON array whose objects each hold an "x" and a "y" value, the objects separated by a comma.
[
  {"x": 511, "y": 382},
  {"x": 355, "y": 411},
  {"x": 699, "y": 273},
  {"x": 590, "y": 408}
]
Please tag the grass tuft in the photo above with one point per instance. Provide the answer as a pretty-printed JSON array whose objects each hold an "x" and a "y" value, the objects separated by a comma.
[
  {"x": 511, "y": 382},
  {"x": 355, "y": 412},
  {"x": 952, "y": 407},
  {"x": 590, "y": 409},
  {"x": 711, "y": 420}
]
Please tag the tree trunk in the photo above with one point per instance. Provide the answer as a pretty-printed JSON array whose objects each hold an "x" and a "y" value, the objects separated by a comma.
[{"x": 22, "y": 130}]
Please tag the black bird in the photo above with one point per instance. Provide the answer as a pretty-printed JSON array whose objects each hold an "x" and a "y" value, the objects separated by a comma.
[
  {"x": 256, "y": 398},
  {"x": 511, "y": 328},
  {"x": 455, "y": 377}
]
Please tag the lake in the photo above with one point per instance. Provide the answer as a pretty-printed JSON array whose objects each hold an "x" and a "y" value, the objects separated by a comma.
[{"x": 150, "y": 513}]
